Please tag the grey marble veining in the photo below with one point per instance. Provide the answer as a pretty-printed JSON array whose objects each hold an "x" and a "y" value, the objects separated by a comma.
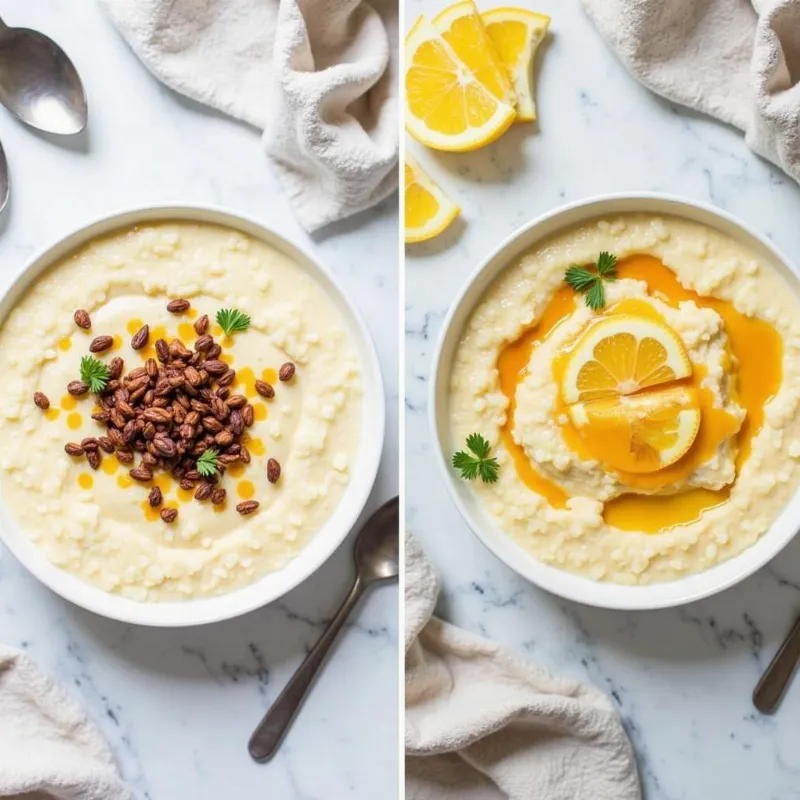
[
  {"x": 681, "y": 678},
  {"x": 178, "y": 706}
]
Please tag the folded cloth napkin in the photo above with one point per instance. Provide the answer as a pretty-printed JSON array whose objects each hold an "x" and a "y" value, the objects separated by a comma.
[
  {"x": 734, "y": 59},
  {"x": 318, "y": 76},
  {"x": 49, "y": 748},
  {"x": 484, "y": 725}
]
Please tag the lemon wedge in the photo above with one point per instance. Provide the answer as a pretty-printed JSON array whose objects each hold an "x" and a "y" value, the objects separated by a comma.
[
  {"x": 428, "y": 210},
  {"x": 639, "y": 433},
  {"x": 450, "y": 105},
  {"x": 462, "y": 28},
  {"x": 621, "y": 355},
  {"x": 516, "y": 34}
]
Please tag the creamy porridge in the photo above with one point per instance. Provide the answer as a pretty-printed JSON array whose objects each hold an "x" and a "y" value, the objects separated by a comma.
[
  {"x": 275, "y": 418},
  {"x": 647, "y": 438}
]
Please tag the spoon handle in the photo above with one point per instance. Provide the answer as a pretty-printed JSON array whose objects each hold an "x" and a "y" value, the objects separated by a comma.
[
  {"x": 270, "y": 732},
  {"x": 775, "y": 680}
]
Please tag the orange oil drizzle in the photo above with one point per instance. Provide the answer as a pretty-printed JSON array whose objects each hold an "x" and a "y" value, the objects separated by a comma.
[
  {"x": 245, "y": 489},
  {"x": 186, "y": 332},
  {"x": 755, "y": 344}
]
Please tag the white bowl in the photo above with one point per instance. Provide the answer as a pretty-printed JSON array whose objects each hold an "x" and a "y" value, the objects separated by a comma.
[
  {"x": 323, "y": 543},
  {"x": 566, "y": 584}
]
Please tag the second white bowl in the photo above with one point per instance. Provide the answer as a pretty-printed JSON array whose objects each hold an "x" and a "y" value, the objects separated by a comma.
[{"x": 566, "y": 584}]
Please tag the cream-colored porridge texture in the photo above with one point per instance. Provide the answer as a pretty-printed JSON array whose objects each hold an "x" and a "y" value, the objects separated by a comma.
[
  {"x": 577, "y": 538},
  {"x": 95, "y": 524}
]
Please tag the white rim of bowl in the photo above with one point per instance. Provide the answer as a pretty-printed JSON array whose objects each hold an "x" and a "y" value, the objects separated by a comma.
[
  {"x": 206, "y": 610},
  {"x": 559, "y": 582}
]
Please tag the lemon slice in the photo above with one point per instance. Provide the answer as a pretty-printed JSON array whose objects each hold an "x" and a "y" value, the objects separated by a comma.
[
  {"x": 621, "y": 355},
  {"x": 516, "y": 34},
  {"x": 640, "y": 433},
  {"x": 428, "y": 209},
  {"x": 461, "y": 27},
  {"x": 447, "y": 106}
]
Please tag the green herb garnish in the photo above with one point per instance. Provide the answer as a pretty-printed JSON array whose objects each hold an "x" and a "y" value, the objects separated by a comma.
[
  {"x": 479, "y": 462},
  {"x": 207, "y": 463},
  {"x": 589, "y": 283},
  {"x": 231, "y": 320},
  {"x": 94, "y": 373}
]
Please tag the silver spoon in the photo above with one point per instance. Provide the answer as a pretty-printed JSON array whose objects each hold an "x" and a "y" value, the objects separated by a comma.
[
  {"x": 775, "y": 680},
  {"x": 377, "y": 559},
  {"x": 4, "y": 186},
  {"x": 38, "y": 82}
]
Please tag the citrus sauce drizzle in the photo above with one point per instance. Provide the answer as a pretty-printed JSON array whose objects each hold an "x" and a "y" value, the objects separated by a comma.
[
  {"x": 716, "y": 425},
  {"x": 512, "y": 364},
  {"x": 755, "y": 344}
]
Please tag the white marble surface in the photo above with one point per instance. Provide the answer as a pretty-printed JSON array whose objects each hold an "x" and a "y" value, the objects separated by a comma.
[
  {"x": 682, "y": 678},
  {"x": 178, "y": 707}
]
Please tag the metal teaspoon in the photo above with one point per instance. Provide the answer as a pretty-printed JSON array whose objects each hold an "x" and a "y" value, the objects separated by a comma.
[
  {"x": 38, "y": 82},
  {"x": 377, "y": 559},
  {"x": 3, "y": 178},
  {"x": 775, "y": 680}
]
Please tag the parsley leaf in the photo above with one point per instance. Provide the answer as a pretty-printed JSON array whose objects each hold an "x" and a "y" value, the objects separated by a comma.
[
  {"x": 207, "y": 463},
  {"x": 477, "y": 464},
  {"x": 590, "y": 283},
  {"x": 596, "y": 296},
  {"x": 579, "y": 278},
  {"x": 231, "y": 320},
  {"x": 94, "y": 373},
  {"x": 607, "y": 266}
]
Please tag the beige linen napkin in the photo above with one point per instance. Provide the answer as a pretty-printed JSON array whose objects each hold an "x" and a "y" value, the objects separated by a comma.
[
  {"x": 49, "y": 748},
  {"x": 318, "y": 76},
  {"x": 734, "y": 59},
  {"x": 483, "y": 725}
]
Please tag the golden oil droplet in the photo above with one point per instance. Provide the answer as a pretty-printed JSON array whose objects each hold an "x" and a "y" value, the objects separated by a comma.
[
  {"x": 219, "y": 509},
  {"x": 246, "y": 380},
  {"x": 123, "y": 481},
  {"x": 117, "y": 342},
  {"x": 270, "y": 376},
  {"x": 65, "y": 344},
  {"x": 74, "y": 421},
  {"x": 163, "y": 481},
  {"x": 227, "y": 341},
  {"x": 227, "y": 358},
  {"x": 85, "y": 481},
  {"x": 256, "y": 447},
  {"x": 236, "y": 470},
  {"x": 192, "y": 313},
  {"x": 245, "y": 489},
  {"x": 186, "y": 332},
  {"x": 52, "y": 413},
  {"x": 110, "y": 465},
  {"x": 259, "y": 412},
  {"x": 216, "y": 330},
  {"x": 150, "y": 514},
  {"x": 68, "y": 402},
  {"x": 134, "y": 326},
  {"x": 185, "y": 495}
]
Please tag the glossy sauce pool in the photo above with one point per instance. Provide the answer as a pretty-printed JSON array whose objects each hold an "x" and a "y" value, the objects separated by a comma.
[{"x": 755, "y": 344}]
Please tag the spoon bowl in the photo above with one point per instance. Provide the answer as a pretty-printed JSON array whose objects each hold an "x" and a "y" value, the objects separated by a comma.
[
  {"x": 377, "y": 549},
  {"x": 4, "y": 185},
  {"x": 38, "y": 82}
]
